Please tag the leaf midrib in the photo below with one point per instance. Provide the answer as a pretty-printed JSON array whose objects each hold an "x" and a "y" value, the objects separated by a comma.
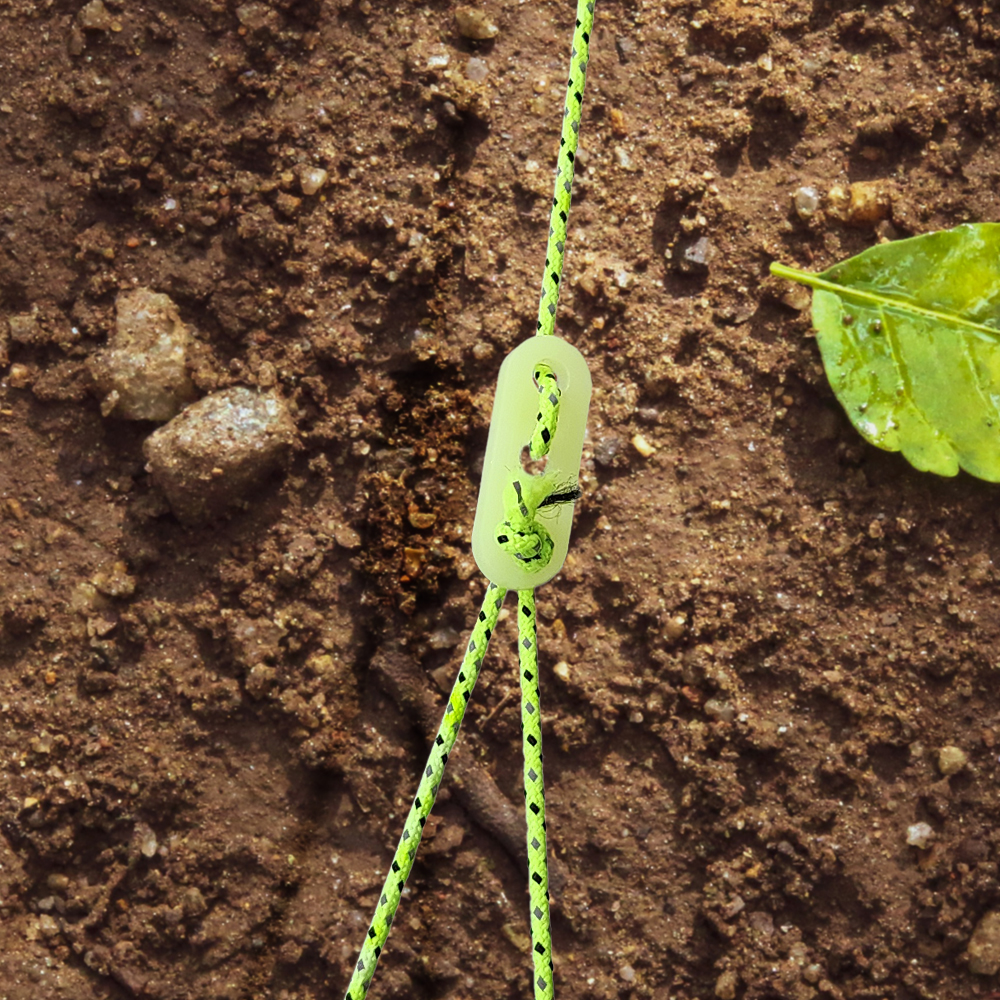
[{"x": 878, "y": 301}]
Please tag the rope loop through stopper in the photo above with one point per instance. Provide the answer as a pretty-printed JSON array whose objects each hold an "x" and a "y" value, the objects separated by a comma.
[{"x": 549, "y": 395}]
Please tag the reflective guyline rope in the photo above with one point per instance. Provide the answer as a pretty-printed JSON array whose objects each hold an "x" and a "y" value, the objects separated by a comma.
[
  {"x": 430, "y": 781},
  {"x": 534, "y": 797},
  {"x": 568, "y": 142},
  {"x": 423, "y": 803}
]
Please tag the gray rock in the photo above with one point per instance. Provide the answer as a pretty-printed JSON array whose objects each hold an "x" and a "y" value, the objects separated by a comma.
[
  {"x": 143, "y": 373},
  {"x": 984, "y": 945},
  {"x": 218, "y": 450},
  {"x": 608, "y": 448},
  {"x": 697, "y": 258}
]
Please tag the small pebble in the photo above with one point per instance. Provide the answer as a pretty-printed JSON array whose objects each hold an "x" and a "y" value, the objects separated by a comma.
[
  {"x": 193, "y": 903},
  {"x": 413, "y": 560},
  {"x": 19, "y": 377},
  {"x": 785, "y": 601},
  {"x": 864, "y": 203},
  {"x": 622, "y": 157},
  {"x": 806, "y": 200},
  {"x": 312, "y": 180},
  {"x": 218, "y": 451},
  {"x": 951, "y": 760},
  {"x": 114, "y": 580},
  {"x": 607, "y": 449},
  {"x": 94, "y": 16},
  {"x": 475, "y": 24},
  {"x": 145, "y": 840},
  {"x": 725, "y": 985},
  {"x": 983, "y": 950},
  {"x": 871, "y": 201},
  {"x": 254, "y": 16},
  {"x": 347, "y": 538},
  {"x": 811, "y": 973},
  {"x": 24, "y": 328},
  {"x": 798, "y": 297},
  {"x": 421, "y": 519},
  {"x": 443, "y": 638},
  {"x": 476, "y": 70},
  {"x": 143, "y": 373},
  {"x": 627, "y": 973},
  {"x": 562, "y": 670},
  {"x": 675, "y": 627},
  {"x": 721, "y": 711},
  {"x": 642, "y": 446},
  {"x": 697, "y": 257},
  {"x": 919, "y": 835}
]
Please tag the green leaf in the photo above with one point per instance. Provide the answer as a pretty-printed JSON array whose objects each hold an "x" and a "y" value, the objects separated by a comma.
[{"x": 910, "y": 337}]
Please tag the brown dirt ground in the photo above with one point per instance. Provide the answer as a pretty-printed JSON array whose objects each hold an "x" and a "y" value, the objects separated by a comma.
[{"x": 770, "y": 628}]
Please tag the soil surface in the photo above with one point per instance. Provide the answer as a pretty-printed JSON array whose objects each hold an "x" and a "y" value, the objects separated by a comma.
[{"x": 773, "y": 649}]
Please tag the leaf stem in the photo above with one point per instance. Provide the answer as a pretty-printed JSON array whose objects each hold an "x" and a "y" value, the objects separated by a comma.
[
  {"x": 793, "y": 274},
  {"x": 875, "y": 300}
]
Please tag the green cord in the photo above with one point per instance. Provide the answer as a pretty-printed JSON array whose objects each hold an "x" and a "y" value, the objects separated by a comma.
[
  {"x": 547, "y": 420},
  {"x": 555, "y": 250},
  {"x": 430, "y": 781},
  {"x": 568, "y": 143},
  {"x": 534, "y": 796},
  {"x": 528, "y": 539},
  {"x": 528, "y": 544}
]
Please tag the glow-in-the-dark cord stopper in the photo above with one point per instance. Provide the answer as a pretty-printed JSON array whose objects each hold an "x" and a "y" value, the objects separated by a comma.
[{"x": 507, "y": 482}]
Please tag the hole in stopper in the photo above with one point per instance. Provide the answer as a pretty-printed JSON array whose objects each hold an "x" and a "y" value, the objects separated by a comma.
[{"x": 533, "y": 466}]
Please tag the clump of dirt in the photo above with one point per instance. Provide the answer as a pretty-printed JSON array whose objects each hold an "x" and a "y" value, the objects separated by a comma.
[{"x": 767, "y": 632}]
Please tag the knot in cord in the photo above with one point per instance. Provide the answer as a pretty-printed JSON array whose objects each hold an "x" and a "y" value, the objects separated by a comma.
[{"x": 520, "y": 534}]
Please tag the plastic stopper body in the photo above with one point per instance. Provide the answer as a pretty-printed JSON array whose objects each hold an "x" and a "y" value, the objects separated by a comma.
[{"x": 515, "y": 411}]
